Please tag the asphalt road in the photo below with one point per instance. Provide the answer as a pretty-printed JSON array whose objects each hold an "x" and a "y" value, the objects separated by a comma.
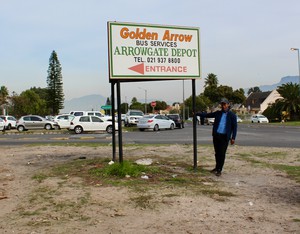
[{"x": 248, "y": 135}]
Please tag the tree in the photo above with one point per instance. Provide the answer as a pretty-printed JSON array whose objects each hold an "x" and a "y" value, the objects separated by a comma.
[
  {"x": 160, "y": 105},
  {"x": 28, "y": 102},
  {"x": 291, "y": 100},
  {"x": 3, "y": 96},
  {"x": 136, "y": 105},
  {"x": 202, "y": 104},
  {"x": 224, "y": 91},
  {"x": 55, "y": 97},
  {"x": 211, "y": 81},
  {"x": 42, "y": 92},
  {"x": 255, "y": 89},
  {"x": 238, "y": 96},
  {"x": 211, "y": 86}
]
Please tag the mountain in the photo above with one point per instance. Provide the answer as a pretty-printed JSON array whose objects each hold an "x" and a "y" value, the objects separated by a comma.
[
  {"x": 85, "y": 103},
  {"x": 95, "y": 101},
  {"x": 284, "y": 80}
]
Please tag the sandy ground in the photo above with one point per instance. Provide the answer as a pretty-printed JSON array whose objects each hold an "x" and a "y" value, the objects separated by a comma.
[{"x": 266, "y": 200}]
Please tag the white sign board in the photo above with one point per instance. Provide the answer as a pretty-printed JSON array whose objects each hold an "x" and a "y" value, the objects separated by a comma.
[{"x": 142, "y": 51}]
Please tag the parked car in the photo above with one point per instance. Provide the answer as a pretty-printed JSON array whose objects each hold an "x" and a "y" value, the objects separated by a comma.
[
  {"x": 209, "y": 121},
  {"x": 63, "y": 121},
  {"x": 133, "y": 117},
  {"x": 238, "y": 119},
  {"x": 82, "y": 113},
  {"x": 179, "y": 123},
  {"x": 35, "y": 122},
  {"x": 77, "y": 113},
  {"x": 9, "y": 121},
  {"x": 88, "y": 123},
  {"x": 2, "y": 125},
  {"x": 155, "y": 122},
  {"x": 259, "y": 119}
]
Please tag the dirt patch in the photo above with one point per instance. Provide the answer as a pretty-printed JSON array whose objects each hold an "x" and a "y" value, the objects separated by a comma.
[{"x": 264, "y": 197}]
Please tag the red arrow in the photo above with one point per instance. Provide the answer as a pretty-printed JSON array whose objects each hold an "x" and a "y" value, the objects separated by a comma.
[{"x": 138, "y": 68}]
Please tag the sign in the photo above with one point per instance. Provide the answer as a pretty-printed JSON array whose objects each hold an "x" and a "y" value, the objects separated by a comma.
[
  {"x": 153, "y": 104},
  {"x": 155, "y": 52},
  {"x": 106, "y": 107}
]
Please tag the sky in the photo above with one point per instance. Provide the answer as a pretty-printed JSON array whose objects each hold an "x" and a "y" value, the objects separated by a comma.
[{"x": 245, "y": 43}]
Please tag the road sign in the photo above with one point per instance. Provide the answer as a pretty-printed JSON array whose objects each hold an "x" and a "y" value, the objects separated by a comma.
[
  {"x": 106, "y": 107},
  {"x": 142, "y": 51},
  {"x": 153, "y": 104}
]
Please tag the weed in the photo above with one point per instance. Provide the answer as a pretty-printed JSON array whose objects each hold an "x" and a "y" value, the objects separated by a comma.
[
  {"x": 143, "y": 201},
  {"x": 40, "y": 177}
]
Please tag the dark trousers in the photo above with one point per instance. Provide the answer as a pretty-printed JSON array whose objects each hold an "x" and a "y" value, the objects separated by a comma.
[{"x": 220, "y": 146}]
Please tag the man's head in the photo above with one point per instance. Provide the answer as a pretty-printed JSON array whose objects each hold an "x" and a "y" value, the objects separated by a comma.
[{"x": 224, "y": 104}]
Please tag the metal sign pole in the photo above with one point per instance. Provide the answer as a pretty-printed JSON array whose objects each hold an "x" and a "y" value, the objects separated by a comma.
[
  {"x": 194, "y": 123},
  {"x": 119, "y": 122},
  {"x": 113, "y": 122}
]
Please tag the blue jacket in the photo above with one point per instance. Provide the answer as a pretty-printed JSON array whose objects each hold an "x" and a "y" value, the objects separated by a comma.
[{"x": 231, "y": 122}]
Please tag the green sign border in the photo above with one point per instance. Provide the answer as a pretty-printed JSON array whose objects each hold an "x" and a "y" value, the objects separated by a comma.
[{"x": 141, "y": 77}]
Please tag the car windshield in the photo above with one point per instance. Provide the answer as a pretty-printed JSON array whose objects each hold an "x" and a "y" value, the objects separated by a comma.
[
  {"x": 173, "y": 116},
  {"x": 148, "y": 116},
  {"x": 136, "y": 113}
]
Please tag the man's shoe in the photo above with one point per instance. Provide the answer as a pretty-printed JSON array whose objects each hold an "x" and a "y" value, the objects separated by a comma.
[
  {"x": 213, "y": 170},
  {"x": 218, "y": 173}
]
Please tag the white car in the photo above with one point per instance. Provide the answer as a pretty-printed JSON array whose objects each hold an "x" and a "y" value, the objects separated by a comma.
[
  {"x": 29, "y": 122},
  {"x": 238, "y": 119},
  {"x": 63, "y": 121},
  {"x": 133, "y": 117},
  {"x": 209, "y": 121},
  {"x": 155, "y": 122},
  {"x": 259, "y": 119},
  {"x": 90, "y": 123},
  {"x": 10, "y": 121},
  {"x": 2, "y": 125}
]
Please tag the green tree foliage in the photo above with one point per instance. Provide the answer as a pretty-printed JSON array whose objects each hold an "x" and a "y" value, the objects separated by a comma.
[
  {"x": 224, "y": 91},
  {"x": 238, "y": 96},
  {"x": 211, "y": 86},
  {"x": 55, "y": 97},
  {"x": 291, "y": 100},
  {"x": 202, "y": 104},
  {"x": 3, "y": 95},
  {"x": 214, "y": 92},
  {"x": 108, "y": 102},
  {"x": 255, "y": 89},
  {"x": 42, "y": 92},
  {"x": 136, "y": 105},
  {"x": 28, "y": 102},
  {"x": 124, "y": 107},
  {"x": 272, "y": 113},
  {"x": 160, "y": 105}
]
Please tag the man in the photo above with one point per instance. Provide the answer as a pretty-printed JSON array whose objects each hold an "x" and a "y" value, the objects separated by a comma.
[{"x": 224, "y": 130}]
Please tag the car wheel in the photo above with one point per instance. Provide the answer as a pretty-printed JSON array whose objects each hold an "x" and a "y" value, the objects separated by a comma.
[
  {"x": 78, "y": 129},
  {"x": 172, "y": 127},
  {"x": 48, "y": 127},
  {"x": 252, "y": 121},
  {"x": 156, "y": 128},
  {"x": 258, "y": 121},
  {"x": 21, "y": 128},
  {"x": 109, "y": 129},
  {"x": 8, "y": 127},
  {"x": 142, "y": 129}
]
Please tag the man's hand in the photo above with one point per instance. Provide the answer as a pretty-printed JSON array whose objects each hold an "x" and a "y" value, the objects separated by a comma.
[{"x": 232, "y": 141}]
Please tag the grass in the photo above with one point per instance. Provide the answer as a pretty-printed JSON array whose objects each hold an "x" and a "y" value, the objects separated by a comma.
[
  {"x": 166, "y": 174},
  {"x": 293, "y": 172},
  {"x": 288, "y": 123}
]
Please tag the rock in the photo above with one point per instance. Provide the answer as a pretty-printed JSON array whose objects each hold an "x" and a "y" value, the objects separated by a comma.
[{"x": 144, "y": 161}]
